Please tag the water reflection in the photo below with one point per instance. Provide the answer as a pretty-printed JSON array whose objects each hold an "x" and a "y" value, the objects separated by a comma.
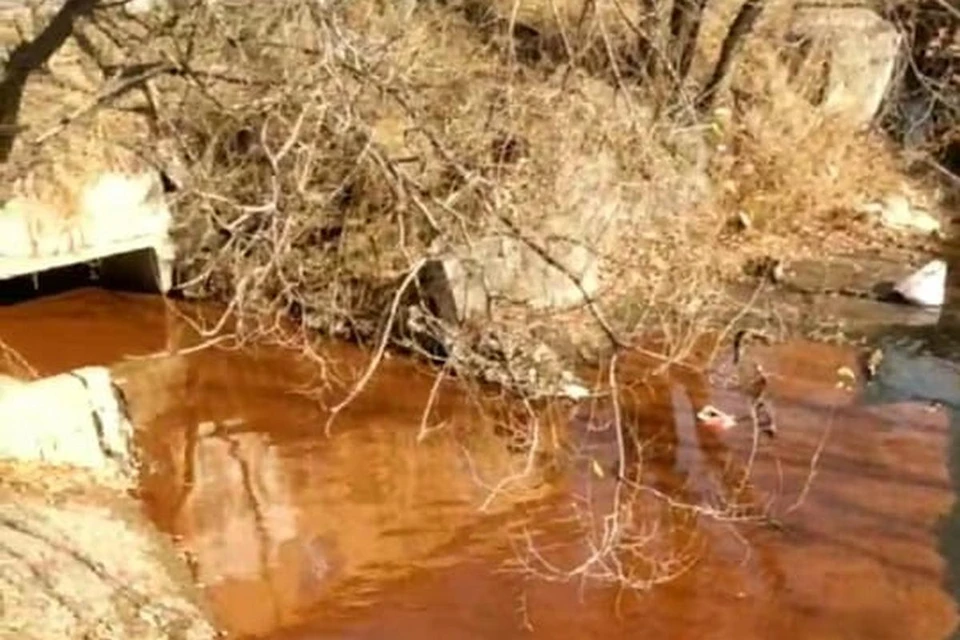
[{"x": 277, "y": 518}]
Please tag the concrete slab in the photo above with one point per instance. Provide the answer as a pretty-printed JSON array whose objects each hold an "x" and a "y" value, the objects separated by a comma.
[
  {"x": 141, "y": 264},
  {"x": 115, "y": 220}
]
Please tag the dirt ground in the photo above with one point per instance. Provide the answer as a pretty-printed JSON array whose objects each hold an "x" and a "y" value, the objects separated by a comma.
[{"x": 80, "y": 561}]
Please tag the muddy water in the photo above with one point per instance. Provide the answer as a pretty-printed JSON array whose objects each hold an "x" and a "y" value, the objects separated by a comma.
[{"x": 400, "y": 527}]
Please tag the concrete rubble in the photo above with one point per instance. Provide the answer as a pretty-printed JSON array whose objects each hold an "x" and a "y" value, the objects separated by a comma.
[
  {"x": 76, "y": 418},
  {"x": 79, "y": 558}
]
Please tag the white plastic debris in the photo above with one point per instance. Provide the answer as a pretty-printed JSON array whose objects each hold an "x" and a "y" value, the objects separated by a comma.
[
  {"x": 925, "y": 287},
  {"x": 574, "y": 391},
  {"x": 571, "y": 387}
]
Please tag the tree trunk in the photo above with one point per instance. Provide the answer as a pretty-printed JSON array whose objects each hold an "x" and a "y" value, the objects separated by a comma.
[
  {"x": 740, "y": 28},
  {"x": 29, "y": 57},
  {"x": 685, "y": 22}
]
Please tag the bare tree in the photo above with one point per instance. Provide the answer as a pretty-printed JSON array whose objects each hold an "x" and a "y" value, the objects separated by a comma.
[{"x": 27, "y": 58}]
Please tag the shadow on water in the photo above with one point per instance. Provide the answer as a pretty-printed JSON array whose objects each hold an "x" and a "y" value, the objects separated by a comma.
[
  {"x": 378, "y": 532},
  {"x": 922, "y": 364}
]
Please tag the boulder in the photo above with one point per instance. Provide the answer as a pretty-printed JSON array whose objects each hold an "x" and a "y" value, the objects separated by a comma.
[
  {"x": 465, "y": 285},
  {"x": 553, "y": 266},
  {"x": 859, "y": 51}
]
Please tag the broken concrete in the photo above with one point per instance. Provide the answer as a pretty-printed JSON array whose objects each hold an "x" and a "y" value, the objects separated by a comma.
[
  {"x": 76, "y": 419},
  {"x": 898, "y": 212}
]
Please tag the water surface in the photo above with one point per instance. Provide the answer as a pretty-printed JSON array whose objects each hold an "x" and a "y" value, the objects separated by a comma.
[{"x": 378, "y": 531}]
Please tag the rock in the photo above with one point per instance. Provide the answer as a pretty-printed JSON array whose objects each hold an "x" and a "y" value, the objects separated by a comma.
[
  {"x": 507, "y": 270},
  {"x": 859, "y": 276},
  {"x": 896, "y": 211},
  {"x": 927, "y": 286},
  {"x": 859, "y": 49},
  {"x": 575, "y": 231},
  {"x": 910, "y": 371}
]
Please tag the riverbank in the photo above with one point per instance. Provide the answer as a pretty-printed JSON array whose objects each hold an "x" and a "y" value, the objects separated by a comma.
[{"x": 445, "y": 181}]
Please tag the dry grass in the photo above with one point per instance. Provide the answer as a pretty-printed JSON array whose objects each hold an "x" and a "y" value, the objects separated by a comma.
[{"x": 330, "y": 151}]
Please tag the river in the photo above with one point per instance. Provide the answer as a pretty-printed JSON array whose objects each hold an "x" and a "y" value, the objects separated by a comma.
[{"x": 396, "y": 526}]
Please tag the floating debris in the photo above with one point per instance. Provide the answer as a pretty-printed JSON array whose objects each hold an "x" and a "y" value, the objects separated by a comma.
[
  {"x": 873, "y": 363},
  {"x": 574, "y": 391},
  {"x": 847, "y": 378},
  {"x": 206, "y": 428},
  {"x": 744, "y": 337},
  {"x": 597, "y": 469},
  {"x": 713, "y": 417},
  {"x": 763, "y": 417}
]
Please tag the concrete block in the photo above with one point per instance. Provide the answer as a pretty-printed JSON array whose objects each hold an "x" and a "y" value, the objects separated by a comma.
[
  {"x": 119, "y": 220},
  {"x": 78, "y": 418}
]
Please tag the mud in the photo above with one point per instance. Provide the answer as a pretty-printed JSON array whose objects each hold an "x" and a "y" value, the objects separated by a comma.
[{"x": 395, "y": 526}]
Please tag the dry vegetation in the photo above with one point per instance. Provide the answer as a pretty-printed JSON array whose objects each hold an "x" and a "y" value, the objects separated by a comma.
[{"x": 325, "y": 152}]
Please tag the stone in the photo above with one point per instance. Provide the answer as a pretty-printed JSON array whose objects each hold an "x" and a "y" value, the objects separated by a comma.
[
  {"x": 504, "y": 269},
  {"x": 897, "y": 212},
  {"x": 560, "y": 264},
  {"x": 853, "y": 275},
  {"x": 860, "y": 50},
  {"x": 908, "y": 373}
]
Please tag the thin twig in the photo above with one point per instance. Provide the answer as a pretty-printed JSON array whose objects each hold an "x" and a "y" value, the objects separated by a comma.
[{"x": 381, "y": 348}]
